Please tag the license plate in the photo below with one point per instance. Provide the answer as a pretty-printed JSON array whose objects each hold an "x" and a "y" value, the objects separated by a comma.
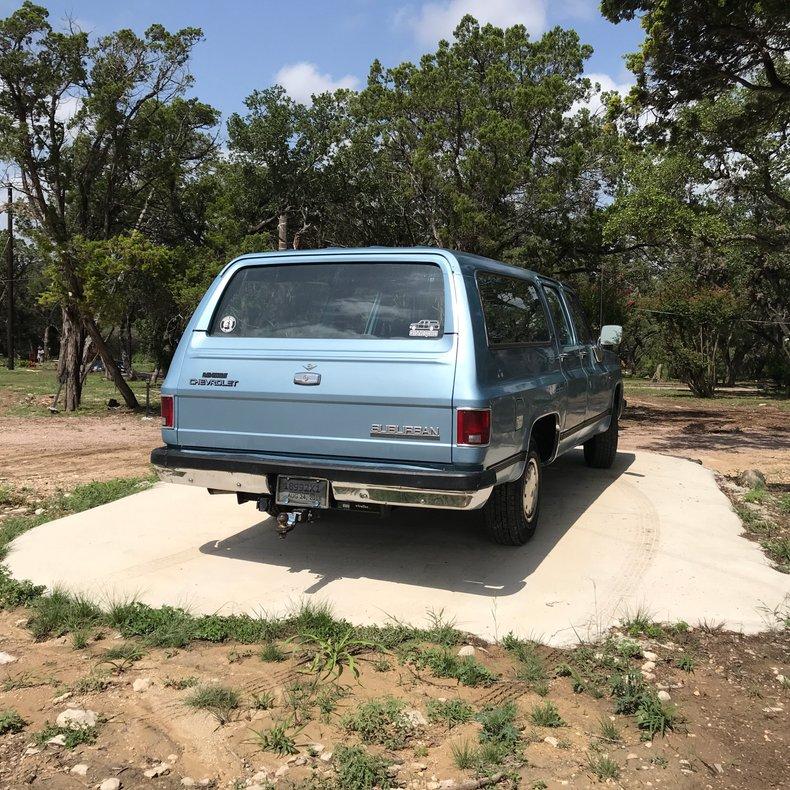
[{"x": 303, "y": 491}]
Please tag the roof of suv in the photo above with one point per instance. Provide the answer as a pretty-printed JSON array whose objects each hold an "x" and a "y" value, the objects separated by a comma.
[{"x": 468, "y": 261}]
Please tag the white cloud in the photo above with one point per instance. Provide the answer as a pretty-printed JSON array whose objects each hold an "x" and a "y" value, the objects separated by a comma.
[
  {"x": 607, "y": 84},
  {"x": 303, "y": 80},
  {"x": 67, "y": 108},
  {"x": 435, "y": 20}
]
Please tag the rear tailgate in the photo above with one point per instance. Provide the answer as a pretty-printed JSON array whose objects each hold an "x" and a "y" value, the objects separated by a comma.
[{"x": 374, "y": 381}]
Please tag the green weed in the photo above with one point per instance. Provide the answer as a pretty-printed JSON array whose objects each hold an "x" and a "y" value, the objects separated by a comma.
[
  {"x": 451, "y": 712},
  {"x": 219, "y": 701},
  {"x": 279, "y": 739},
  {"x": 357, "y": 769},
  {"x": 72, "y": 738},
  {"x": 11, "y": 721},
  {"x": 609, "y": 731},
  {"x": 331, "y": 655},
  {"x": 179, "y": 684},
  {"x": 603, "y": 767},
  {"x": 271, "y": 652},
  {"x": 499, "y": 726},
  {"x": 546, "y": 715},
  {"x": 443, "y": 663},
  {"x": 381, "y": 721},
  {"x": 263, "y": 701},
  {"x": 122, "y": 657}
]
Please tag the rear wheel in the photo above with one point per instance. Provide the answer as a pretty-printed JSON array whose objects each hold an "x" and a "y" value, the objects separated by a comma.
[
  {"x": 511, "y": 513},
  {"x": 600, "y": 451}
]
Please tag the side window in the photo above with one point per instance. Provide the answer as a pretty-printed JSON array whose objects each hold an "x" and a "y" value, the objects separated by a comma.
[
  {"x": 513, "y": 311},
  {"x": 557, "y": 311},
  {"x": 583, "y": 332}
]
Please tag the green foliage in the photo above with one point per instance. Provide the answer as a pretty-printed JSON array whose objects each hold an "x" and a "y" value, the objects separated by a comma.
[
  {"x": 685, "y": 662},
  {"x": 219, "y": 701},
  {"x": 499, "y": 726},
  {"x": 179, "y": 684},
  {"x": 358, "y": 769},
  {"x": 271, "y": 652},
  {"x": 60, "y": 612},
  {"x": 381, "y": 721},
  {"x": 443, "y": 663},
  {"x": 263, "y": 700},
  {"x": 332, "y": 654},
  {"x": 603, "y": 767},
  {"x": 609, "y": 731},
  {"x": 279, "y": 739},
  {"x": 640, "y": 622},
  {"x": 11, "y": 722},
  {"x": 72, "y": 738},
  {"x": 450, "y": 712},
  {"x": 546, "y": 715},
  {"x": 122, "y": 657},
  {"x": 654, "y": 716}
]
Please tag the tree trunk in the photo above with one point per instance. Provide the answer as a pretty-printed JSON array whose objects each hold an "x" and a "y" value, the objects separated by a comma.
[
  {"x": 126, "y": 344},
  {"x": 112, "y": 369},
  {"x": 72, "y": 340},
  {"x": 282, "y": 232}
]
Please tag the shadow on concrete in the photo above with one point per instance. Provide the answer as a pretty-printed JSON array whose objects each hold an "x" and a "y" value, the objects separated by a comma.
[{"x": 427, "y": 548}]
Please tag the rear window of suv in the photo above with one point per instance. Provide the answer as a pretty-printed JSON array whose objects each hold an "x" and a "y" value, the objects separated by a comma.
[{"x": 333, "y": 300}]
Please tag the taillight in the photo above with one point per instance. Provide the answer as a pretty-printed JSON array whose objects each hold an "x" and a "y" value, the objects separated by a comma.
[
  {"x": 474, "y": 426},
  {"x": 168, "y": 411}
]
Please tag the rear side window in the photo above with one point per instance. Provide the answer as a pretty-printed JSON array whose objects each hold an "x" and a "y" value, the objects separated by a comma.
[
  {"x": 558, "y": 315},
  {"x": 333, "y": 300},
  {"x": 513, "y": 310},
  {"x": 579, "y": 317}
]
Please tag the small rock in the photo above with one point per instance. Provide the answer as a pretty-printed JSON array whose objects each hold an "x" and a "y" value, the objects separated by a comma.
[
  {"x": 282, "y": 771},
  {"x": 172, "y": 758},
  {"x": 664, "y": 696},
  {"x": 61, "y": 698},
  {"x": 632, "y": 756},
  {"x": 188, "y": 781},
  {"x": 648, "y": 666},
  {"x": 77, "y": 719},
  {"x": 649, "y": 655},
  {"x": 649, "y": 676},
  {"x": 419, "y": 767},
  {"x": 158, "y": 770},
  {"x": 30, "y": 751},
  {"x": 38, "y": 511},
  {"x": 415, "y": 717},
  {"x": 206, "y": 782},
  {"x": 261, "y": 777},
  {"x": 80, "y": 769},
  {"x": 447, "y": 784},
  {"x": 467, "y": 650},
  {"x": 432, "y": 786},
  {"x": 300, "y": 761},
  {"x": 719, "y": 768},
  {"x": 6, "y": 658},
  {"x": 316, "y": 748},
  {"x": 58, "y": 740},
  {"x": 751, "y": 478},
  {"x": 326, "y": 757},
  {"x": 110, "y": 784},
  {"x": 685, "y": 764},
  {"x": 141, "y": 684},
  {"x": 780, "y": 679},
  {"x": 551, "y": 741},
  {"x": 20, "y": 622}
]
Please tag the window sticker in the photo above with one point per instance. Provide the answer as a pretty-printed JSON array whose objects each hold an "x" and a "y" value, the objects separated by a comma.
[
  {"x": 425, "y": 328},
  {"x": 227, "y": 324}
]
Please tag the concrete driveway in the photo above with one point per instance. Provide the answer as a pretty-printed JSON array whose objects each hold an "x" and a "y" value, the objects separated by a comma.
[{"x": 654, "y": 532}]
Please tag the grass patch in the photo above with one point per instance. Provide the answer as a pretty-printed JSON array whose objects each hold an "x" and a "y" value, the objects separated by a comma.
[
  {"x": 381, "y": 721},
  {"x": 358, "y": 769},
  {"x": 603, "y": 767},
  {"x": 778, "y": 552},
  {"x": 180, "y": 684},
  {"x": 11, "y": 722},
  {"x": 71, "y": 738},
  {"x": 546, "y": 715},
  {"x": 641, "y": 623},
  {"x": 263, "y": 701},
  {"x": 61, "y": 612},
  {"x": 451, "y": 712},
  {"x": 499, "y": 726},
  {"x": 219, "y": 701},
  {"x": 756, "y": 495},
  {"x": 531, "y": 668},
  {"x": 443, "y": 663},
  {"x": 91, "y": 684},
  {"x": 271, "y": 652},
  {"x": 121, "y": 657},
  {"x": 685, "y": 662},
  {"x": 331, "y": 655},
  {"x": 278, "y": 739},
  {"x": 609, "y": 731}
]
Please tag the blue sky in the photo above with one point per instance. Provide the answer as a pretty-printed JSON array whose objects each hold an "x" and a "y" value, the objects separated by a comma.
[{"x": 309, "y": 45}]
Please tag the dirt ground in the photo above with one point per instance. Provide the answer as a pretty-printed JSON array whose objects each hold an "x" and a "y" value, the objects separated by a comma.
[
  {"x": 724, "y": 437},
  {"x": 734, "y": 731}
]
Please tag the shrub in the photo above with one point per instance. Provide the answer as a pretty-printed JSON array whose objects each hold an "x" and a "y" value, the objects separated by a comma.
[
  {"x": 11, "y": 721},
  {"x": 546, "y": 715},
  {"x": 450, "y": 712},
  {"x": 357, "y": 769},
  {"x": 381, "y": 721},
  {"x": 217, "y": 700}
]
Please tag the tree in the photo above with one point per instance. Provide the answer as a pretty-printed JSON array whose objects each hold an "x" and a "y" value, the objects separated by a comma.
[{"x": 100, "y": 135}]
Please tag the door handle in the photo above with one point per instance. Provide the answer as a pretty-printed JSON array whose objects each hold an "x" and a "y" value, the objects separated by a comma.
[{"x": 582, "y": 353}]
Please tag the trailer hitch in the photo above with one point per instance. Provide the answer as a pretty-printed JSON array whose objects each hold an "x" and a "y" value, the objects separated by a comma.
[{"x": 286, "y": 521}]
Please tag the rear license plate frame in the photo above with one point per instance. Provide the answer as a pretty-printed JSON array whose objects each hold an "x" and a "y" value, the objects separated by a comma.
[{"x": 316, "y": 496}]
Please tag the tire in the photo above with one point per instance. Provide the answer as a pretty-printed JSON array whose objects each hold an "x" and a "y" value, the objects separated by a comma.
[
  {"x": 601, "y": 450},
  {"x": 511, "y": 513}
]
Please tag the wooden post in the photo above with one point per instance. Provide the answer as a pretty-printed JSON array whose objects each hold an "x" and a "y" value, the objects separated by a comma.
[{"x": 282, "y": 232}]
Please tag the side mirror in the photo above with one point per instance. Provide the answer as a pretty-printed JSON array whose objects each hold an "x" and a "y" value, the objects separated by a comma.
[{"x": 611, "y": 334}]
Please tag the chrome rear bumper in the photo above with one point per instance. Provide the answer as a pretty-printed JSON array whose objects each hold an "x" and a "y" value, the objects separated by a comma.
[{"x": 362, "y": 493}]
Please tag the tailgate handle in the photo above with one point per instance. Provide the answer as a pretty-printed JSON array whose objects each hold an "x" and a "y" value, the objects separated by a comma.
[{"x": 307, "y": 379}]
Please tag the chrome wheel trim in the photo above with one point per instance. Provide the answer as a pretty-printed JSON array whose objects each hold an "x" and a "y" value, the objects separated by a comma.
[{"x": 529, "y": 501}]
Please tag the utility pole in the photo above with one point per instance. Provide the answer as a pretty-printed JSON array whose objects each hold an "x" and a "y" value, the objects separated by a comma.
[{"x": 9, "y": 259}]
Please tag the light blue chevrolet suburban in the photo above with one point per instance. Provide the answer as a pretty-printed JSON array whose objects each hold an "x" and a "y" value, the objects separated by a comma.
[{"x": 365, "y": 379}]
